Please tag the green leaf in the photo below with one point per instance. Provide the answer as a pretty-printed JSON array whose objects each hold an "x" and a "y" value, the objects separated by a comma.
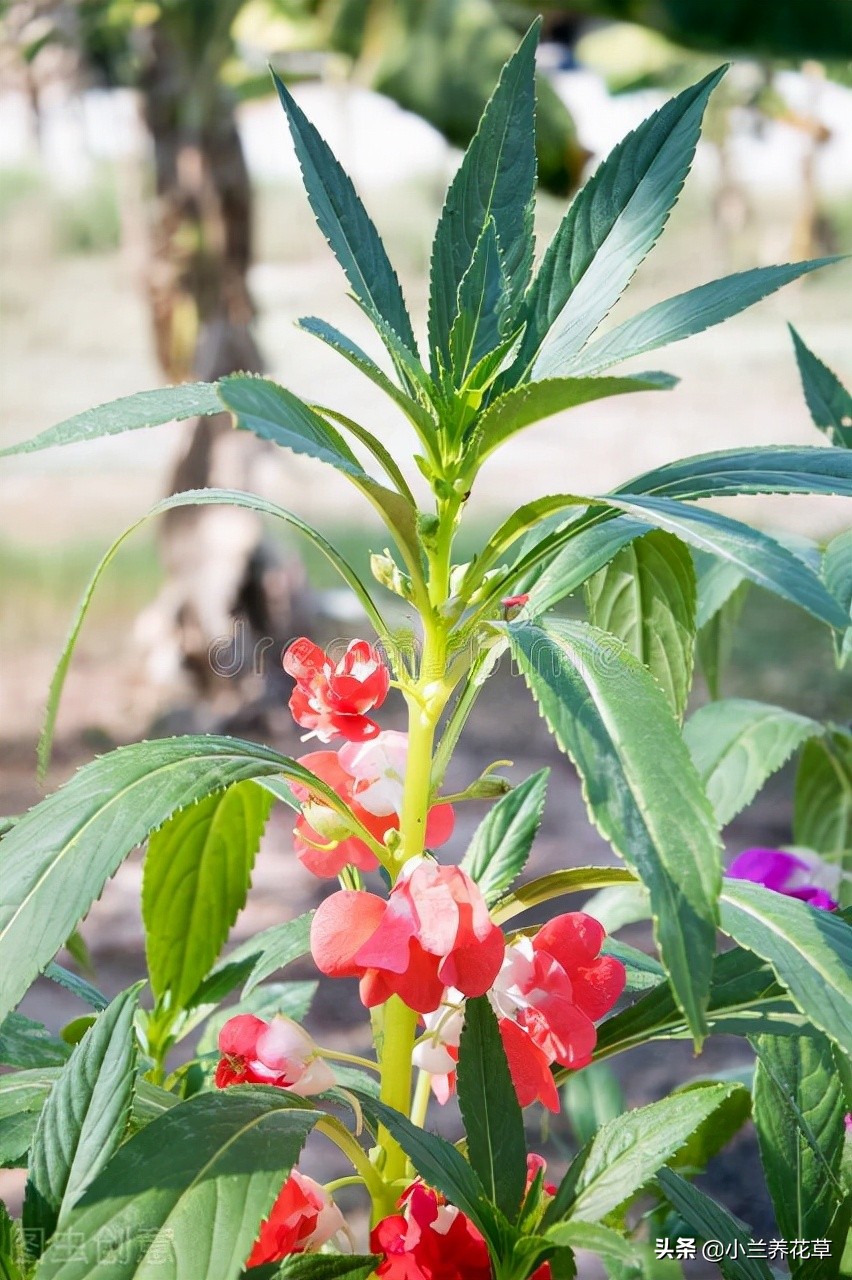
[
  {"x": 837, "y": 576},
  {"x": 798, "y": 1113},
  {"x": 196, "y": 879},
  {"x": 28, "y": 1044},
  {"x": 11, "y": 1247},
  {"x": 627, "y": 1152},
  {"x": 186, "y": 1196},
  {"x": 717, "y": 1130},
  {"x": 496, "y": 180},
  {"x": 130, "y": 413},
  {"x": 603, "y": 708},
  {"x": 493, "y": 1121},
  {"x": 532, "y": 401},
  {"x": 22, "y": 1096},
  {"x": 822, "y": 814},
  {"x": 85, "y": 1117},
  {"x": 437, "y": 1161},
  {"x": 646, "y": 597},
  {"x": 809, "y": 950},
  {"x": 345, "y": 223},
  {"x": 717, "y": 581},
  {"x": 502, "y": 842},
  {"x": 274, "y": 413},
  {"x": 255, "y": 959},
  {"x": 78, "y": 986},
  {"x": 716, "y": 638},
  {"x": 609, "y": 228},
  {"x": 483, "y": 307},
  {"x": 191, "y": 498},
  {"x": 736, "y": 744},
  {"x": 745, "y": 999},
  {"x": 293, "y": 999},
  {"x": 587, "y": 551},
  {"x": 829, "y": 402},
  {"x": 711, "y": 1221},
  {"x": 608, "y": 1244},
  {"x": 557, "y": 883},
  {"x": 56, "y": 861},
  {"x": 315, "y": 1266},
  {"x": 688, "y": 313},
  {"x": 591, "y": 1098},
  {"x": 764, "y": 469}
]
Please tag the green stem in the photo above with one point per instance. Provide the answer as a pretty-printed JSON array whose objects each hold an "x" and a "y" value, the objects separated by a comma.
[
  {"x": 355, "y": 1153},
  {"x": 336, "y": 1055},
  {"x": 422, "y": 1093}
]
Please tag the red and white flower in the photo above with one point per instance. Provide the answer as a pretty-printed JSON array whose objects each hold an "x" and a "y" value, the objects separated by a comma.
[
  {"x": 303, "y": 1218},
  {"x": 433, "y": 931},
  {"x": 369, "y": 778},
  {"x": 429, "y": 1240},
  {"x": 332, "y": 698},
  {"x": 550, "y": 991},
  {"x": 279, "y": 1053}
]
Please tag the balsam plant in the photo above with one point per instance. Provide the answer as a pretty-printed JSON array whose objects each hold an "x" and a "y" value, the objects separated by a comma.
[{"x": 138, "y": 1169}]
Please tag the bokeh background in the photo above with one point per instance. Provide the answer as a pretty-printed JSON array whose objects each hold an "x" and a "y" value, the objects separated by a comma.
[{"x": 154, "y": 229}]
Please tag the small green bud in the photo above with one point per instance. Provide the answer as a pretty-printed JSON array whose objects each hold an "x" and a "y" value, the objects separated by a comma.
[{"x": 388, "y": 573}]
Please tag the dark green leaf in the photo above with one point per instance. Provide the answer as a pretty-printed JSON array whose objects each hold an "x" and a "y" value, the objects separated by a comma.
[
  {"x": 85, "y": 1117},
  {"x": 737, "y": 744},
  {"x": 314, "y": 1266},
  {"x": 11, "y": 1247},
  {"x": 588, "y": 550},
  {"x": 646, "y": 597},
  {"x": 610, "y": 227},
  {"x": 293, "y": 999},
  {"x": 483, "y": 307},
  {"x": 822, "y": 814},
  {"x": 145, "y": 409},
  {"x": 603, "y": 708},
  {"x": 496, "y": 180},
  {"x": 829, "y": 402},
  {"x": 717, "y": 581},
  {"x": 711, "y": 1221},
  {"x": 22, "y": 1096},
  {"x": 56, "y": 861},
  {"x": 714, "y": 1133},
  {"x": 627, "y": 1152},
  {"x": 197, "y": 875},
  {"x": 255, "y": 959},
  {"x": 688, "y": 313},
  {"x": 798, "y": 1113},
  {"x": 592, "y": 1097},
  {"x": 837, "y": 576},
  {"x": 501, "y": 844},
  {"x": 810, "y": 951},
  {"x": 345, "y": 223},
  {"x": 764, "y": 469},
  {"x": 199, "y": 1179},
  {"x": 492, "y": 1116},
  {"x": 78, "y": 986},
  {"x": 716, "y": 638},
  {"x": 28, "y": 1044}
]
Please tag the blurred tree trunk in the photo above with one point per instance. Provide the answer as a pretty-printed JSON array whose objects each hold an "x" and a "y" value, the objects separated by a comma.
[{"x": 222, "y": 579}]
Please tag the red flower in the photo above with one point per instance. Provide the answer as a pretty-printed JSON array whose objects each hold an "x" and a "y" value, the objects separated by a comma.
[
  {"x": 515, "y": 602},
  {"x": 303, "y": 1217},
  {"x": 369, "y": 778},
  {"x": 429, "y": 1240},
  {"x": 434, "y": 931},
  {"x": 278, "y": 1053},
  {"x": 329, "y": 699}
]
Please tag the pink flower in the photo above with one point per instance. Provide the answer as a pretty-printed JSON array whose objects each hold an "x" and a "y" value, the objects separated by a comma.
[
  {"x": 433, "y": 931},
  {"x": 302, "y": 1219},
  {"x": 802, "y": 874},
  {"x": 550, "y": 991},
  {"x": 369, "y": 778},
  {"x": 429, "y": 1240},
  {"x": 332, "y": 699},
  {"x": 515, "y": 602},
  {"x": 279, "y": 1052}
]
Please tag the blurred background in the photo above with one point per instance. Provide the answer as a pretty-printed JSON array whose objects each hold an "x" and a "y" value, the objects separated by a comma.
[{"x": 154, "y": 229}]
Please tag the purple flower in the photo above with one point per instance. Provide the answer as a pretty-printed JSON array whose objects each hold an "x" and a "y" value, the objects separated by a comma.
[{"x": 792, "y": 874}]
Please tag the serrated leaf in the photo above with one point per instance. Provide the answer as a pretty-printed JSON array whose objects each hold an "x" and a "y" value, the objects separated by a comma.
[
  {"x": 603, "y": 708},
  {"x": 491, "y": 1113},
  {"x": 531, "y": 402},
  {"x": 22, "y": 1096},
  {"x": 829, "y": 402},
  {"x": 496, "y": 180},
  {"x": 11, "y": 1246},
  {"x": 736, "y": 744},
  {"x": 502, "y": 842},
  {"x": 56, "y": 861},
  {"x": 196, "y": 1183},
  {"x": 588, "y": 551},
  {"x": 255, "y": 959},
  {"x": 822, "y": 815},
  {"x": 606, "y": 1242},
  {"x": 688, "y": 313},
  {"x": 28, "y": 1044},
  {"x": 715, "y": 639},
  {"x": 610, "y": 227},
  {"x": 345, "y": 223},
  {"x": 837, "y": 576},
  {"x": 646, "y": 597},
  {"x": 483, "y": 307},
  {"x": 711, "y": 1221},
  {"x": 196, "y": 879},
  {"x": 626, "y": 1153},
  {"x": 78, "y": 986},
  {"x": 761, "y": 469},
  {"x": 130, "y": 413},
  {"x": 591, "y": 1098},
  {"x": 273, "y": 413},
  {"x": 809, "y": 950},
  {"x": 84, "y": 1119},
  {"x": 798, "y": 1113}
]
